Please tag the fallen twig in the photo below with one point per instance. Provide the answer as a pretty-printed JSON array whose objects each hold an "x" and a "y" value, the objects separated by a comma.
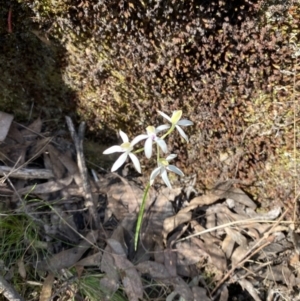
[
  {"x": 87, "y": 194},
  {"x": 8, "y": 291},
  {"x": 26, "y": 173}
]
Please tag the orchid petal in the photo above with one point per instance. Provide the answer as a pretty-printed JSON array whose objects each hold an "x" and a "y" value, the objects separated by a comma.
[
  {"x": 182, "y": 133},
  {"x": 138, "y": 138},
  {"x": 121, "y": 160},
  {"x": 154, "y": 174},
  {"x": 171, "y": 157},
  {"x": 124, "y": 136},
  {"x": 150, "y": 130},
  {"x": 162, "y": 128},
  {"x": 185, "y": 122},
  {"x": 165, "y": 178},
  {"x": 113, "y": 149},
  {"x": 176, "y": 116},
  {"x": 175, "y": 170},
  {"x": 162, "y": 145},
  {"x": 165, "y": 116},
  {"x": 148, "y": 148},
  {"x": 135, "y": 162}
]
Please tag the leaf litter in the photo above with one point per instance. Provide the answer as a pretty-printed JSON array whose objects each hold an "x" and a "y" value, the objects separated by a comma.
[{"x": 196, "y": 249}]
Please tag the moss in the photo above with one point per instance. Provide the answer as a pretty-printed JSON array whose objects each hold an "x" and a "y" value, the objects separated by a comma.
[{"x": 117, "y": 67}]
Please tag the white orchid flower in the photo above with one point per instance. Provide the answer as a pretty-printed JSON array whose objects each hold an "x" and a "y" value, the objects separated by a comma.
[
  {"x": 126, "y": 148},
  {"x": 152, "y": 136},
  {"x": 163, "y": 167},
  {"x": 176, "y": 122}
]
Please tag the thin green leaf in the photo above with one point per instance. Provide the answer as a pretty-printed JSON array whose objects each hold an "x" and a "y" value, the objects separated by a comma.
[{"x": 140, "y": 217}]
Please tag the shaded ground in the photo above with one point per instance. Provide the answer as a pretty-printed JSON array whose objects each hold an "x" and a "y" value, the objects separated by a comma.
[{"x": 56, "y": 217}]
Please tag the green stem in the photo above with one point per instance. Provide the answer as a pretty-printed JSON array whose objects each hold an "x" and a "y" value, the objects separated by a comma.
[
  {"x": 140, "y": 217},
  {"x": 168, "y": 132}
]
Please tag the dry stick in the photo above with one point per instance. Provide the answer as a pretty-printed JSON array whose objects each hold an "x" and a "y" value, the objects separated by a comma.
[
  {"x": 15, "y": 169},
  {"x": 8, "y": 291},
  {"x": 26, "y": 173},
  {"x": 250, "y": 253},
  {"x": 78, "y": 141}
]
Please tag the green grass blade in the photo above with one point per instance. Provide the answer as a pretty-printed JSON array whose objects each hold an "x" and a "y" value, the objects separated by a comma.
[{"x": 140, "y": 217}]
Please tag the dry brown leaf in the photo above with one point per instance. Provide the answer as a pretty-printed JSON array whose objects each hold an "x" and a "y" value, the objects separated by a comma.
[
  {"x": 221, "y": 188},
  {"x": 200, "y": 294},
  {"x": 240, "y": 196},
  {"x": 280, "y": 273},
  {"x": 159, "y": 253},
  {"x": 240, "y": 239},
  {"x": 48, "y": 187},
  {"x": 66, "y": 225},
  {"x": 270, "y": 215},
  {"x": 187, "y": 270},
  {"x": 130, "y": 278},
  {"x": 238, "y": 254},
  {"x": 152, "y": 228},
  {"x": 116, "y": 247},
  {"x": 92, "y": 260},
  {"x": 46, "y": 292},
  {"x": 65, "y": 159},
  {"x": 188, "y": 252},
  {"x": 210, "y": 221},
  {"x": 170, "y": 261},
  {"x": 55, "y": 165},
  {"x": 224, "y": 294},
  {"x": 132, "y": 284},
  {"x": 33, "y": 129},
  {"x": 206, "y": 236},
  {"x": 245, "y": 284},
  {"x": 154, "y": 269},
  {"x": 68, "y": 258},
  {"x": 182, "y": 288},
  {"x": 220, "y": 191},
  {"x": 79, "y": 270},
  {"x": 216, "y": 255},
  {"x": 227, "y": 245},
  {"x": 201, "y": 201},
  {"x": 253, "y": 233},
  {"x": 38, "y": 147},
  {"x": 173, "y": 222},
  {"x": 112, "y": 277},
  {"x": 109, "y": 286},
  {"x": 15, "y": 155},
  {"x": 15, "y": 134},
  {"x": 123, "y": 198},
  {"x": 5, "y": 122}
]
